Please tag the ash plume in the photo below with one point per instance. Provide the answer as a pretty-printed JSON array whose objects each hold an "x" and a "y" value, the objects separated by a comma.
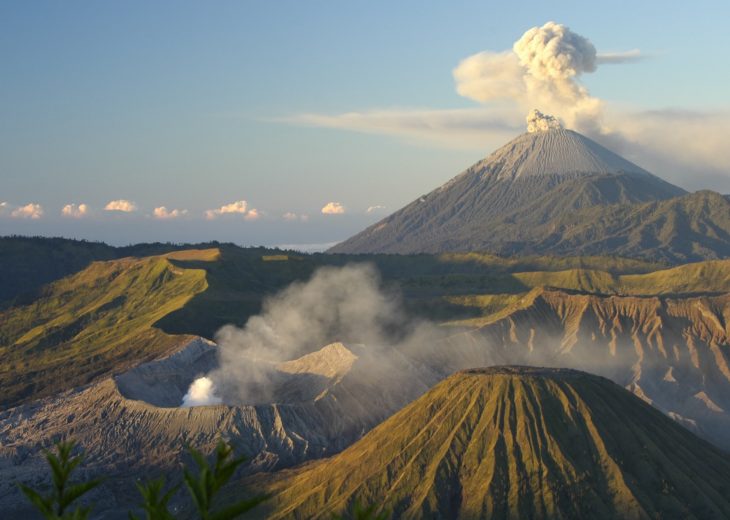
[
  {"x": 539, "y": 122},
  {"x": 543, "y": 69}
]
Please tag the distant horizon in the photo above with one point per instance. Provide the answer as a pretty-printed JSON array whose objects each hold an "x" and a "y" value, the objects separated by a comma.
[{"x": 286, "y": 123}]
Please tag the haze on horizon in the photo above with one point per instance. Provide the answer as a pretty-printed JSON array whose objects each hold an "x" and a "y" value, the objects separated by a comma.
[{"x": 292, "y": 124}]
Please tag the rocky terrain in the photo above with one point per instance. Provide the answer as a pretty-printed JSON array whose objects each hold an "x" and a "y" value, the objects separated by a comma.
[
  {"x": 516, "y": 442},
  {"x": 133, "y": 423},
  {"x": 671, "y": 352},
  {"x": 106, "y": 355}
]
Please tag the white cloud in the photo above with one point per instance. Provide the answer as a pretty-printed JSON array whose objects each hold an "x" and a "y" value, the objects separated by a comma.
[
  {"x": 31, "y": 211},
  {"x": 333, "y": 208},
  {"x": 3, "y": 206},
  {"x": 611, "y": 58},
  {"x": 291, "y": 217},
  {"x": 252, "y": 214},
  {"x": 122, "y": 205},
  {"x": 371, "y": 209},
  {"x": 239, "y": 207},
  {"x": 471, "y": 128},
  {"x": 162, "y": 212},
  {"x": 684, "y": 147},
  {"x": 75, "y": 210}
]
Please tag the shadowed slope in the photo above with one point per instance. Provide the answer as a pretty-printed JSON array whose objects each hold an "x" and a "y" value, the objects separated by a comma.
[{"x": 518, "y": 443}]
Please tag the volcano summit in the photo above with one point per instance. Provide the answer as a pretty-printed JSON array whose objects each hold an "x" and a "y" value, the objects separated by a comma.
[{"x": 555, "y": 191}]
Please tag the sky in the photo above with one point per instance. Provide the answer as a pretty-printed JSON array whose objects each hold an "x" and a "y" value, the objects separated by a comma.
[{"x": 300, "y": 123}]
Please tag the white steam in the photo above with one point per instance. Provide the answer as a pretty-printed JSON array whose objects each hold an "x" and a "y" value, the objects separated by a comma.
[
  {"x": 539, "y": 122},
  {"x": 345, "y": 304},
  {"x": 201, "y": 393}
]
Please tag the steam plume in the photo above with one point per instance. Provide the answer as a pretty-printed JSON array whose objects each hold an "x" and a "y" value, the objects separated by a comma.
[
  {"x": 201, "y": 393},
  {"x": 336, "y": 305}
]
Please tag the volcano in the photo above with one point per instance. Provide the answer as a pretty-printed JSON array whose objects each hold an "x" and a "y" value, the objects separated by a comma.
[
  {"x": 555, "y": 191},
  {"x": 517, "y": 442}
]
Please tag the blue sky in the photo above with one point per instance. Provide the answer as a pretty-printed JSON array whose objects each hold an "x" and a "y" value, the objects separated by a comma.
[{"x": 193, "y": 105}]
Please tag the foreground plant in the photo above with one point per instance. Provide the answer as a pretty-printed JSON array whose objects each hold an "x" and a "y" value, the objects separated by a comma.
[
  {"x": 203, "y": 484},
  {"x": 57, "y": 504},
  {"x": 209, "y": 480},
  {"x": 154, "y": 501}
]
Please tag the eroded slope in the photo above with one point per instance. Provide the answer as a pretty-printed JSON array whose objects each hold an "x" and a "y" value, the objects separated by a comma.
[{"x": 517, "y": 443}]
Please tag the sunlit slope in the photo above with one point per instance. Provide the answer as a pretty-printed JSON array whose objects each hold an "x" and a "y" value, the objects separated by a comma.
[
  {"x": 29, "y": 263},
  {"x": 518, "y": 443},
  {"x": 673, "y": 352},
  {"x": 92, "y": 323},
  {"x": 701, "y": 278}
]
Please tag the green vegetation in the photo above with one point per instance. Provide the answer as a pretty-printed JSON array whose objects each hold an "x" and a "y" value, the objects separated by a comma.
[
  {"x": 58, "y": 503},
  {"x": 209, "y": 480},
  {"x": 96, "y": 322},
  {"x": 155, "y": 500},
  {"x": 29, "y": 263},
  {"x": 26, "y": 264},
  {"x": 203, "y": 485}
]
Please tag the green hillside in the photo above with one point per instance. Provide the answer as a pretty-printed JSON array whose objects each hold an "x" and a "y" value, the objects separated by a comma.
[
  {"x": 92, "y": 323},
  {"x": 517, "y": 443}
]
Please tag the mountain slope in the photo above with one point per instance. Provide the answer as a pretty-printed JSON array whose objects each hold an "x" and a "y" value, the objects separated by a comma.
[
  {"x": 132, "y": 423},
  {"x": 518, "y": 442},
  {"x": 95, "y": 322},
  {"x": 555, "y": 192},
  {"x": 672, "y": 352}
]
